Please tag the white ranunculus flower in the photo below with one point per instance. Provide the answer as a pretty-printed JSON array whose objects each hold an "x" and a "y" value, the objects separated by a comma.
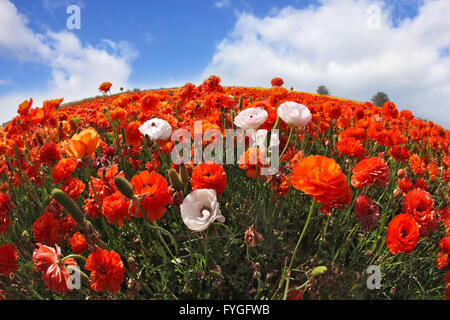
[
  {"x": 200, "y": 208},
  {"x": 251, "y": 118},
  {"x": 294, "y": 113},
  {"x": 156, "y": 129}
]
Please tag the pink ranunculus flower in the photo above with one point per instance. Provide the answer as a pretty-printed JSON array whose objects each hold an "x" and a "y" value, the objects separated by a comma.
[
  {"x": 47, "y": 260},
  {"x": 251, "y": 118},
  {"x": 294, "y": 113},
  {"x": 200, "y": 208}
]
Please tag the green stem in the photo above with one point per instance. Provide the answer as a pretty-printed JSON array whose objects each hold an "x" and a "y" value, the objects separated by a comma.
[
  {"x": 287, "y": 143},
  {"x": 73, "y": 256},
  {"x": 165, "y": 244},
  {"x": 308, "y": 220},
  {"x": 206, "y": 249}
]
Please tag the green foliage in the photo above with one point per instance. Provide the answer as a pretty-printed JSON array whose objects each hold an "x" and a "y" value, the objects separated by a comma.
[
  {"x": 380, "y": 98},
  {"x": 323, "y": 90}
]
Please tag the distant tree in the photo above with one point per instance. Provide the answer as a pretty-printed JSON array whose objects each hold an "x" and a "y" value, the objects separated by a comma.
[
  {"x": 323, "y": 90},
  {"x": 380, "y": 98}
]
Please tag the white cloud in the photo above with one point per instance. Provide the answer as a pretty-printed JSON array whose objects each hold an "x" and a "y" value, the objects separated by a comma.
[
  {"x": 77, "y": 69},
  {"x": 52, "y": 5},
  {"x": 331, "y": 44},
  {"x": 222, "y": 3}
]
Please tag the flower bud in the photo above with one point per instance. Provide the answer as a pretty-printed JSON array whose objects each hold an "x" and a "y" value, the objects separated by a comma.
[
  {"x": 318, "y": 271},
  {"x": 241, "y": 101},
  {"x": 175, "y": 180},
  {"x": 124, "y": 136},
  {"x": 25, "y": 234},
  {"x": 124, "y": 187},
  {"x": 69, "y": 204},
  {"x": 184, "y": 174}
]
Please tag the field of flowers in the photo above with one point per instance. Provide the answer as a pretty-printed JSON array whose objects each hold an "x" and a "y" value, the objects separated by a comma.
[{"x": 93, "y": 207}]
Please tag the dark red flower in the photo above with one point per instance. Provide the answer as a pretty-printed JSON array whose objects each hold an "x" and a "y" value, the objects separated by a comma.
[
  {"x": 367, "y": 212},
  {"x": 8, "y": 258}
]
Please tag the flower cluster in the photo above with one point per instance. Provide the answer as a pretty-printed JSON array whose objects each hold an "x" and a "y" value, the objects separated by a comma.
[{"x": 91, "y": 186}]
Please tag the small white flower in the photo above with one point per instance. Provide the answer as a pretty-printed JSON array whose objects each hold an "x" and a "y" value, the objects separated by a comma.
[
  {"x": 200, "y": 208},
  {"x": 294, "y": 113},
  {"x": 251, "y": 118},
  {"x": 156, "y": 129}
]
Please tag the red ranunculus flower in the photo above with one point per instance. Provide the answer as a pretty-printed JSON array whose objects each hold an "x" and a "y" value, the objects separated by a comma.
[
  {"x": 107, "y": 270},
  {"x": 8, "y": 258},
  {"x": 209, "y": 175},
  {"x": 370, "y": 171},
  {"x": 402, "y": 234},
  {"x": 154, "y": 193}
]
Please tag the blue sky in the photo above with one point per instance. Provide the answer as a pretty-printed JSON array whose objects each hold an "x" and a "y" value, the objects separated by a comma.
[
  {"x": 161, "y": 43},
  {"x": 174, "y": 39}
]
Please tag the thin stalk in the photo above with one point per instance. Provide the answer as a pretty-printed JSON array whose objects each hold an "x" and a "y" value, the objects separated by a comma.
[
  {"x": 305, "y": 227},
  {"x": 287, "y": 143}
]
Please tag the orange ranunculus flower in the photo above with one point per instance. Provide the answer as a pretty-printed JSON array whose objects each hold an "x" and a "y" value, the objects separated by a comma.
[
  {"x": 209, "y": 175},
  {"x": 447, "y": 288},
  {"x": 105, "y": 86},
  {"x": 149, "y": 102},
  {"x": 73, "y": 187},
  {"x": 351, "y": 147},
  {"x": 36, "y": 115},
  {"x": 78, "y": 243},
  {"x": 115, "y": 208},
  {"x": 49, "y": 153},
  {"x": 132, "y": 134},
  {"x": 83, "y": 143},
  {"x": 154, "y": 193},
  {"x": 389, "y": 109},
  {"x": 107, "y": 270},
  {"x": 50, "y": 106},
  {"x": 402, "y": 234},
  {"x": 417, "y": 165},
  {"x": 433, "y": 170},
  {"x": 321, "y": 177},
  {"x": 24, "y": 107},
  {"x": 277, "y": 82},
  {"x": 63, "y": 169},
  {"x": 370, "y": 171},
  {"x": 443, "y": 257},
  {"x": 419, "y": 204}
]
